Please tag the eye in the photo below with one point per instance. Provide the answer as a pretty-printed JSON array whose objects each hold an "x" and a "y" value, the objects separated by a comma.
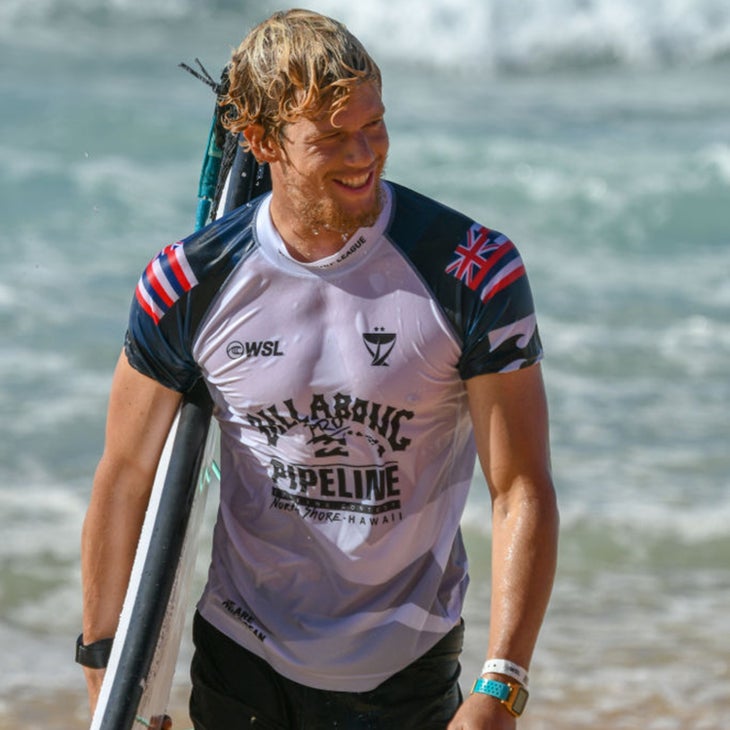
[{"x": 332, "y": 136}]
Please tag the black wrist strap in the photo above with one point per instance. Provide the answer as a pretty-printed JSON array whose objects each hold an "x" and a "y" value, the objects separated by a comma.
[{"x": 96, "y": 655}]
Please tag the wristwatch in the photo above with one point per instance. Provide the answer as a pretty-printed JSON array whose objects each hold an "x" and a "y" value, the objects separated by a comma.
[
  {"x": 512, "y": 696},
  {"x": 94, "y": 655}
]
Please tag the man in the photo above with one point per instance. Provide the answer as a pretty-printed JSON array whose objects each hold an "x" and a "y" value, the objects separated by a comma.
[{"x": 358, "y": 341}]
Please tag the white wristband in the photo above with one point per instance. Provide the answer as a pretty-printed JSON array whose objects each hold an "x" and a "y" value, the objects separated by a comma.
[{"x": 506, "y": 667}]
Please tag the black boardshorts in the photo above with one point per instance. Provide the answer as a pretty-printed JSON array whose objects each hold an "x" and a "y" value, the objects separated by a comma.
[{"x": 234, "y": 689}]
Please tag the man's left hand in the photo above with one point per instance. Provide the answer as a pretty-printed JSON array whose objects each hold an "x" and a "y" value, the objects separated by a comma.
[{"x": 481, "y": 712}]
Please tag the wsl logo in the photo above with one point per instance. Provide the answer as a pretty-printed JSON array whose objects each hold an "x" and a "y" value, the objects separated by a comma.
[
  {"x": 262, "y": 348},
  {"x": 380, "y": 344}
]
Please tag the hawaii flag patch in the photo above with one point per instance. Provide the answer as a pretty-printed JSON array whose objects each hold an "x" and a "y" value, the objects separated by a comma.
[
  {"x": 167, "y": 277},
  {"x": 486, "y": 262}
]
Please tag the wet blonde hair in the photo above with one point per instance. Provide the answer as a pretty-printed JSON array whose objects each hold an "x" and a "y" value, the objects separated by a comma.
[{"x": 294, "y": 65}]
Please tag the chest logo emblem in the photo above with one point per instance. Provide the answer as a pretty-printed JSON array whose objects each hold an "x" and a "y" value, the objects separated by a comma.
[{"x": 380, "y": 344}]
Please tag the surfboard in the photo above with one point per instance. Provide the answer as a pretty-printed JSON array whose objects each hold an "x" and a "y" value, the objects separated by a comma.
[
  {"x": 137, "y": 683},
  {"x": 138, "y": 679}
]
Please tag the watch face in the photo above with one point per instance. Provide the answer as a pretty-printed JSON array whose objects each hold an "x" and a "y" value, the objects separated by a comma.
[{"x": 518, "y": 706}]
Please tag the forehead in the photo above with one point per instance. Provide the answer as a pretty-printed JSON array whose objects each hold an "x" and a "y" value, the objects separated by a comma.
[{"x": 363, "y": 104}]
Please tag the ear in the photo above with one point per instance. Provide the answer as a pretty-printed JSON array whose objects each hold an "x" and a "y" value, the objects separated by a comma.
[{"x": 264, "y": 149}]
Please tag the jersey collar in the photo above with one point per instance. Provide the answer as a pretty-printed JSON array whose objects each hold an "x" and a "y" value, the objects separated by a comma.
[{"x": 354, "y": 250}]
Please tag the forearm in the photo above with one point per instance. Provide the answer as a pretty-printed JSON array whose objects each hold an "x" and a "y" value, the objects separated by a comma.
[
  {"x": 109, "y": 539},
  {"x": 108, "y": 543},
  {"x": 524, "y": 557},
  {"x": 524, "y": 550}
]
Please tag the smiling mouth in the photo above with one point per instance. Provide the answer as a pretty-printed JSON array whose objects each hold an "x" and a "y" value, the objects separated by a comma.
[{"x": 356, "y": 182}]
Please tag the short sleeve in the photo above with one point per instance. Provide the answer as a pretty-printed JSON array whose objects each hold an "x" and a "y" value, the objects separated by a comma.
[
  {"x": 158, "y": 339},
  {"x": 500, "y": 330}
]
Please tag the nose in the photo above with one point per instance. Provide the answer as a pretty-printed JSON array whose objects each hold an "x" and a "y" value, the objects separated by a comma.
[{"x": 360, "y": 150}]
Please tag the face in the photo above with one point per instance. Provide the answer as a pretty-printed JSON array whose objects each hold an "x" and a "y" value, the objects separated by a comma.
[{"x": 327, "y": 174}]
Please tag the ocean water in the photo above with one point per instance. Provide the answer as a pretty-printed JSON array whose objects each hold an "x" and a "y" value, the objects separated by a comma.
[{"x": 596, "y": 133}]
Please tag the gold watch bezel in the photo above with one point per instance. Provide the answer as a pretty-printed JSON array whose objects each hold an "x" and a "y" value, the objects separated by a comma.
[{"x": 517, "y": 694}]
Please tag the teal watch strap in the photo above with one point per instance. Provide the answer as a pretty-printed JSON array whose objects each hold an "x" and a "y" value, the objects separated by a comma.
[
  {"x": 512, "y": 696},
  {"x": 492, "y": 687}
]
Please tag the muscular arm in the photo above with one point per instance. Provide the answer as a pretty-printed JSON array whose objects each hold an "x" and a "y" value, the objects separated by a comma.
[
  {"x": 509, "y": 413},
  {"x": 139, "y": 418}
]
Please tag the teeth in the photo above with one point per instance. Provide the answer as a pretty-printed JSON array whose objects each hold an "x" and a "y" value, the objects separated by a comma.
[{"x": 355, "y": 182}]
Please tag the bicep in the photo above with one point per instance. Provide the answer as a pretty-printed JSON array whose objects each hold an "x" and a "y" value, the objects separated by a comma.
[
  {"x": 510, "y": 419},
  {"x": 138, "y": 420}
]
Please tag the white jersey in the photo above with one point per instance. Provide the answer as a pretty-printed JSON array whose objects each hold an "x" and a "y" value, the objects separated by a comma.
[{"x": 346, "y": 445}]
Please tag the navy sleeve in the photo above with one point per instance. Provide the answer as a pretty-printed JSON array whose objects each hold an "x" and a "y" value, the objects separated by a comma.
[
  {"x": 174, "y": 293},
  {"x": 500, "y": 327},
  {"x": 158, "y": 341}
]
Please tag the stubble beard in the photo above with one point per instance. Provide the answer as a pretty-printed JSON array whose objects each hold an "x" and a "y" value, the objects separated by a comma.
[{"x": 318, "y": 214}]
